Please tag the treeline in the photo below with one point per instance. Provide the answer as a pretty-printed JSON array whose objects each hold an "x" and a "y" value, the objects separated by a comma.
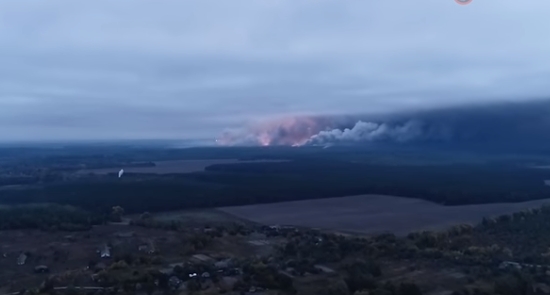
[
  {"x": 445, "y": 184},
  {"x": 47, "y": 217},
  {"x": 18, "y": 180},
  {"x": 251, "y": 183},
  {"x": 477, "y": 251},
  {"x": 528, "y": 225}
]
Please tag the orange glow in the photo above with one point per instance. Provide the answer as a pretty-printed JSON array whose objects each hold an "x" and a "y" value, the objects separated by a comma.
[{"x": 289, "y": 131}]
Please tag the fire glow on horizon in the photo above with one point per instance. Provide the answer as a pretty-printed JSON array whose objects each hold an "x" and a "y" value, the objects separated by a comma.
[
  {"x": 307, "y": 130},
  {"x": 287, "y": 131}
]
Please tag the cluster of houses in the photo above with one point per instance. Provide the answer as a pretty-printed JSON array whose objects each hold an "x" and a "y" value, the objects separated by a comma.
[
  {"x": 517, "y": 265},
  {"x": 147, "y": 247},
  {"x": 200, "y": 269},
  {"x": 279, "y": 228},
  {"x": 22, "y": 260}
]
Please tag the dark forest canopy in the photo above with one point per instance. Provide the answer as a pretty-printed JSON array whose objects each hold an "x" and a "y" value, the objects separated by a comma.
[
  {"x": 47, "y": 217},
  {"x": 451, "y": 175},
  {"x": 249, "y": 183}
]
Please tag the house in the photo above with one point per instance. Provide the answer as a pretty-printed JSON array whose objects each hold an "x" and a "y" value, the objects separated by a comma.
[
  {"x": 70, "y": 238},
  {"x": 254, "y": 289},
  {"x": 234, "y": 272},
  {"x": 41, "y": 269},
  {"x": 125, "y": 234},
  {"x": 148, "y": 247},
  {"x": 143, "y": 248},
  {"x": 201, "y": 258},
  {"x": 21, "y": 259},
  {"x": 223, "y": 264},
  {"x": 324, "y": 269},
  {"x": 180, "y": 264},
  {"x": 166, "y": 270},
  {"x": 259, "y": 242},
  {"x": 174, "y": 282},
  {"x": 105, "y": 252},
  {"x": 509, "y": 264},
  {"x": 100, "y": 266}
]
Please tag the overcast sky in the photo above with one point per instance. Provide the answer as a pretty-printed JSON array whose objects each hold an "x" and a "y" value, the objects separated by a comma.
[{"x": 123, "y": 69}]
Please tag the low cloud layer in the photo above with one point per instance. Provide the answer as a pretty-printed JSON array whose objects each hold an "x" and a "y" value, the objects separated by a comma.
[{"x": 189, "y": 69}]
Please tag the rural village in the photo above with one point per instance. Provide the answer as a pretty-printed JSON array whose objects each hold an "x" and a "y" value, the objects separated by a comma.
[{"x": 149, "y": 254}]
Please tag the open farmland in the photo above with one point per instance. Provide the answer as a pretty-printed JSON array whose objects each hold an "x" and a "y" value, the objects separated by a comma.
[
  {"x": 374, "y": 213},
  {"x": 170, "y": 167}
]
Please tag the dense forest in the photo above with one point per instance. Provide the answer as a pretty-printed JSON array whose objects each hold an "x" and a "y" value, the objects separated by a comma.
[
  {"x": 47, "y": 217},
  {"x": 478, "y": 251},
  {"x": 249, "y": 183}
]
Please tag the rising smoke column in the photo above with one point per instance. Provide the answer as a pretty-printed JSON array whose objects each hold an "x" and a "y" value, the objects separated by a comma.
[
  {"x": 369, "y": 132},
  {"x": 299, "y": 131},
  {"x": 309, "y": 130}
]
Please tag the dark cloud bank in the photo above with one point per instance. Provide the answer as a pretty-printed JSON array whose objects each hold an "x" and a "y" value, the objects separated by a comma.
[{"x": 499, "y": 125}]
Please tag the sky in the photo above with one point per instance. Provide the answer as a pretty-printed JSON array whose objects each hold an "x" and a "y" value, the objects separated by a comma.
[{"x": 182, "y": 69}]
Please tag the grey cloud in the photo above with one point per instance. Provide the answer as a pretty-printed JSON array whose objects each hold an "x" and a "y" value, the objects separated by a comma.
[
  {"x": 184, "y": 69},
  {"x": 511, "y": 123}
]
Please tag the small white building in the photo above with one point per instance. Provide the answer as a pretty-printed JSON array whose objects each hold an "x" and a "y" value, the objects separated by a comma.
[
  {"x": 21, "y": 259},
  {"x": 105, "y": 252}
]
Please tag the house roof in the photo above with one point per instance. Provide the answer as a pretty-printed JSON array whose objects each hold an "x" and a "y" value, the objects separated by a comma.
[{"x": 21, "y": 259}]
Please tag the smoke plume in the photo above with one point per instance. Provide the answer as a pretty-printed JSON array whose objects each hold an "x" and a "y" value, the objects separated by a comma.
[
  {"x": 370, "y": 131},
  {"x": 526, "y": 123},
  {"x": 290, "y": 131}
]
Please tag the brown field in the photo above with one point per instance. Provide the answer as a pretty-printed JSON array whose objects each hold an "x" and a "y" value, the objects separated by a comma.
[
  {"x": 168, "y": 167},
  {"x": 369, "y": 214}
]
